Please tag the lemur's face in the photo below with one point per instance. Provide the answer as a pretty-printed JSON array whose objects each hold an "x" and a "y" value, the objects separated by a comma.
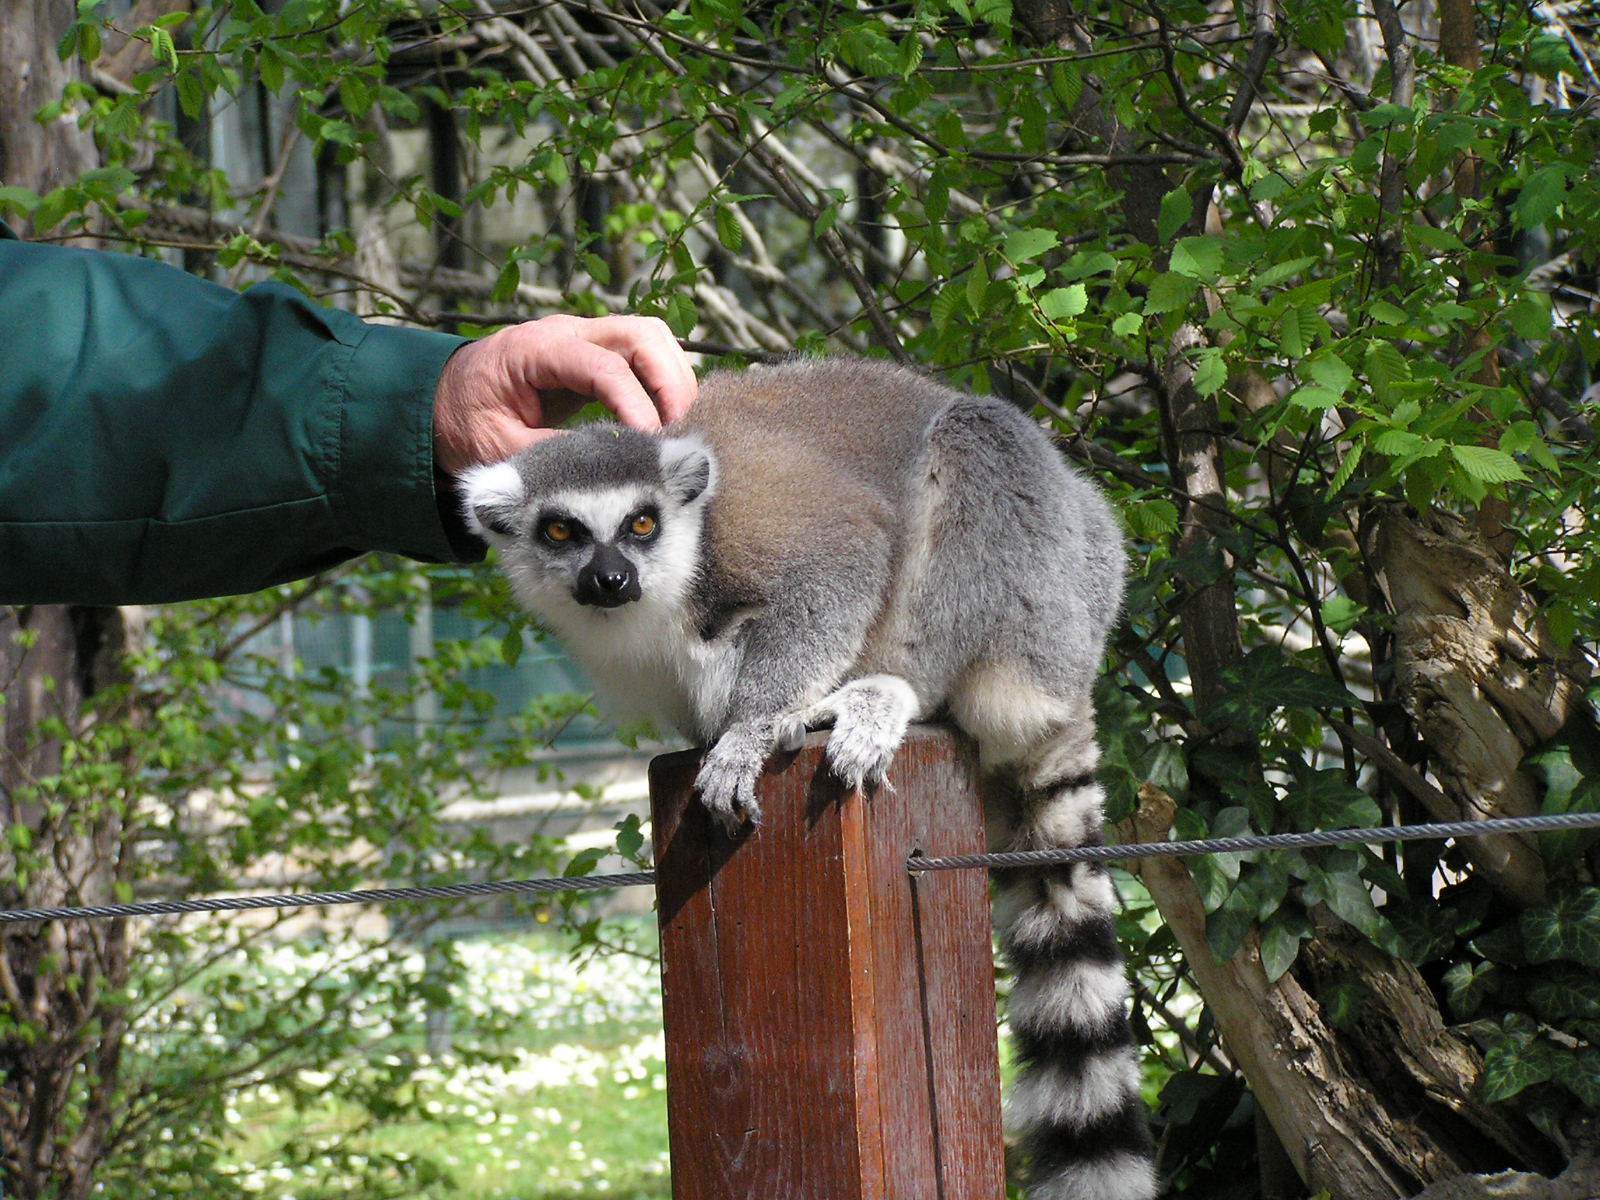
[
  {"x": 598, "y": 545},
  {"x": 595, "y": 520}
]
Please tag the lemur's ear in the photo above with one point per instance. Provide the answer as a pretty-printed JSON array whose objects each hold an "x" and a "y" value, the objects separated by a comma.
[
  {"x": 688, "y": 467},
  {"x": 491, "y": 496}
]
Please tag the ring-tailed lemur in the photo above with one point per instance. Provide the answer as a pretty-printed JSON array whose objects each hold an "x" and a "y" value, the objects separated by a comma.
[{"x": 848, "y": 543}]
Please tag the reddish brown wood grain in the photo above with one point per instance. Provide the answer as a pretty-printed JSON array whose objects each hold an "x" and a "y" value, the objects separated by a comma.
[{"x": 830, "y": 1018}]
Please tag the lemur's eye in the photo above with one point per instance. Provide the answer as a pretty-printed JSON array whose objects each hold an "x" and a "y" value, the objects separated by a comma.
[
  {"x": 556, "y": 531},
  {"x": 642, "y": 525}
]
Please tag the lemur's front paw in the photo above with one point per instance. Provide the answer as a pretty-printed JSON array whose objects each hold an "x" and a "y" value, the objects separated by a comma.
[
  {"x": 728, "y": 774},
  {"x": 869, "y": 719}
]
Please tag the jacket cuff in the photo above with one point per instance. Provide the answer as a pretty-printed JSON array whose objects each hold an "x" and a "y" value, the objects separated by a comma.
[{"x": 385, "y": 485}]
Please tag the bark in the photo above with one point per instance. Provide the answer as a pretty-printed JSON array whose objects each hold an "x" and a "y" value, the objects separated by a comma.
[
  {"x": 32, "y": 75},
  {"x": 1580, "y": 1181},
  {"x": 1369, "y": 1112},
  {"x": 1478, "y": 673},
  {"x": 60, "y": 1048},
  {"x": 62, "y": 1029}
]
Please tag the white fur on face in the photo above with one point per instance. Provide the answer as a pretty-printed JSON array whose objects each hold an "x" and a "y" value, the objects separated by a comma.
[
  {"x": 646, "y": 659},
  {"x": 497, "y": 486}
]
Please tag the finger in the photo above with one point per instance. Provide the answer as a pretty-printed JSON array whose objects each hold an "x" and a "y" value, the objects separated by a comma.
[
  {"x": 582, "y": 366},
  {"x": 655, "y": 356}
]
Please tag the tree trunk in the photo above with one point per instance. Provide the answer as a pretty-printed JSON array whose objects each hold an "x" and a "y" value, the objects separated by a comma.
[
  {"x": 1372, "y": 1110},
  {"x": 1478, "y": 673},
  {"x": 60, "y": 1025}
]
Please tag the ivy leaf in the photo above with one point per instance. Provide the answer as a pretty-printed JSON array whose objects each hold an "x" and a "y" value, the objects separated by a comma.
[
  {"x": 1509, "y": 1066},
  {"x": 1578, "y": 1070},
  {"x": 1568, "y": 928},
  {"x": 1265, "y": 681},
  {"x": 1565, "y": 994},
  {"x": 1280, "y": 946}
]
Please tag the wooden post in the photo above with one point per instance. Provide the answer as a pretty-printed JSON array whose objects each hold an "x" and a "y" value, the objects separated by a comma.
[{"x": 830, "y": 1018}]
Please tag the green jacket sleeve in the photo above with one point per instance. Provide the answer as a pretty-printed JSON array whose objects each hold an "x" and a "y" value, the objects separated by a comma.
[{"x": 163, "y": 438}]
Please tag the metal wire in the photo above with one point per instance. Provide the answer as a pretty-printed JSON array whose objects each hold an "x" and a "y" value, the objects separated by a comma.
[
  {"x": 1268, "y": 841},
  {"x": 447, "y": 891},
  {"x": 917, "y": 863}
]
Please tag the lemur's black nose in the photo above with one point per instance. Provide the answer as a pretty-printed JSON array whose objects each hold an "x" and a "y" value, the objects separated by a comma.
[{"x": 608, "y": 579}]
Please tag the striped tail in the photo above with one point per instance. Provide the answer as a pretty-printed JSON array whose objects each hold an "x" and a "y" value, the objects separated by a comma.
[{"x": 1076, "y": 1102}]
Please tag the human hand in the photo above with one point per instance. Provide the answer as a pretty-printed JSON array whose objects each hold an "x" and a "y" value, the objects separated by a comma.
[{"x": 503, "y": 392}]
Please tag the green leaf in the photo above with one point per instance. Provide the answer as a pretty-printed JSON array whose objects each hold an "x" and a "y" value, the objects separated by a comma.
[
  {"x": 1024, "y": 244},
  {"x": 18, "y": 199},
  {"x": 1152, "y": 520},
  {"x": 1530, "y": 316},
  {"x": 1385, "y": 313},
  {"x": 1510, "y": 1066},
  {"x": 729, "y": 232},
  {"x": 1385, "y": 367},
  {"x": 1176, "y": 208},
  {"x": 945, "y": 304},
  {"x": 1566, "y": 929},
  {"x": 1064, "y": 303},
  {"x": 1566, "y": 994},
  {"x": 191, "y": 94},
  {"x": 1340, "y": 613},
  {"x": 1487, "y": 465},
  {"x": 1298, "y": 330},
  {"x": 1468, "y": 984},
  {"x": 1542, "y": 196},
  {"x": 1210, "y": 371},
  {"x": 1397, "y": 443},
  {"x": 1316, "y": 397},
  {"x": 1280, "y": 946},
  {"x": 1578, "y": 1070},
  {"x": 1128, "y": 324},
  {"x": 1349, "y": 898},
  {"x": 1331, "y": 372},
  {"x": 1198, "y": 257},
  {"x": 1345, "y": 473},
  {"x": 511, "y": 647},
  {"x": 681, "y": 314},
  {"x": 1170, "y": 293},
  {"x": 162, "y": 48},
  {"x": 1265, "y": 681},
  {"x": 1281, "y": 272}
]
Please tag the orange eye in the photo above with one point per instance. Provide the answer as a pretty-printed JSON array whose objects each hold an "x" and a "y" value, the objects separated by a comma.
[
  {"x": 643, "y": 525},
  {"x": 557, "y": 531}
]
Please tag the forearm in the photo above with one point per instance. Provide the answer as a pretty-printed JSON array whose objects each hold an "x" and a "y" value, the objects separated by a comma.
[{"x": 162, "y": 438}]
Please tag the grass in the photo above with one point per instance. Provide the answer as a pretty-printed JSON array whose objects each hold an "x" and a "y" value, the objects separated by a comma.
[{"x": 577, "y": 1110}]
